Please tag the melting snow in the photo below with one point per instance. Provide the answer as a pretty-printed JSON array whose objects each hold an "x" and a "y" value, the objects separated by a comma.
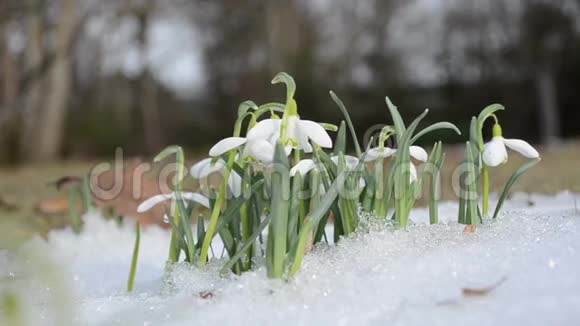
[{"x": 379, "y": 276}]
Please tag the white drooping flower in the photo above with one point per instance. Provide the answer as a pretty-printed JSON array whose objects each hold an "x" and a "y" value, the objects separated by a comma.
[
  {"x": 206, "y": 167},
  {"x": 495, "y": 152},
  {"x": 416, "y": 152},
  {"x": 157, "y": 199},
  {"x": 260, "y": 149},
  {"x": 301, "y": 133},
  {"x": 305, "y": 166}
]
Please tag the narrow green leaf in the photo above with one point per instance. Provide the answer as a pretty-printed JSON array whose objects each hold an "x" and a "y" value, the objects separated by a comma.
[
  {"x": 280, "y": 204},
  {"x": 134, "y": 259},
  {"x": 433, "y": 127},
  {"x": 472, "y": 214},
  {"x": 512, "y": 180},
  {"x": 397, "y": 119},
  {"x": 348, "y": 121},
  {"x": 233, "y": 260},
  {"x": 167, "y": 152},
  {"x": 340, "y": 143},
  {"x": 295, "y": 204}
]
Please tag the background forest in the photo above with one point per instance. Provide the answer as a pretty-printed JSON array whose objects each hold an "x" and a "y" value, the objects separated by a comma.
[{"x": 79, "y": 78}]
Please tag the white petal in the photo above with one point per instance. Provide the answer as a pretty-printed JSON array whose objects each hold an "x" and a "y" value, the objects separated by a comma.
[
  {"x": 303, "y": 167},
  {"x": 204, "y": 168},
  {"x": 351, "y": 161},
  {"x": 494, "y": 152},
  {"x": 375, "y": 153},
  {"x": 315, "y": 132},
  {"x": 261, "y": 150},
  {"x": 418, "y": 153},
  {"x": 413, "y": 173},
  {"x": 153, "y": 201},
  {"x": 303, "y": 143},
  {"x": 235, "y": 184},
  {"x": 264, "y": 129},
  {"x": 195, "y": 197},
  {"x": 292, "y": 129},
  {"x": 226, "y": 145},
  {"x": 522, "y": 147}
]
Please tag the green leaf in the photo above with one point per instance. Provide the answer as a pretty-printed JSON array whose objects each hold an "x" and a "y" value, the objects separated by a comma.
[
  {"x": 294, "y": 216},
  {"x": 348, "y": 121},
  {"x": 279, "y": 207},
  {"x": 433, "y": 127},
  {"x": 134, "y": 259},
  {"x": 200, "y": 232},
  {"x": 167, "y": 152},
  {"x": 512, "y": 180},
  {"x": 402, "y": 174},
  {"x": 186, "y": 225},
  {"x": 397, "y": 119},
  {"x": 285, "y": 78},
  {"x": 472, "y": 215},
  {"x": 340, "y": 143},
  {"x": 233, "y": 260}
]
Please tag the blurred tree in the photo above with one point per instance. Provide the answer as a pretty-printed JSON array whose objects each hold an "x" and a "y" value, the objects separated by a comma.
[
  {"x": 546, "y": 29},
  {"x": 145, "y": 89},
  {"x": 33, "y": 96},
  {"x": 59, "y": 87}
]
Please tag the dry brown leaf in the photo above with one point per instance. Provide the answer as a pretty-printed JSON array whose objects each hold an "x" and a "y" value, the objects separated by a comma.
[
  {"x": 478, "y": 292},
  {"x": 206, "y": 295},
  {"x": 469, "y": 229}
]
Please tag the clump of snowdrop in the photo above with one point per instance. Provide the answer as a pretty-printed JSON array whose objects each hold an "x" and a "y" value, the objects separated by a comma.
[
  {"x": 287, "y": 174},
  {"x": 481, "y": 156}
]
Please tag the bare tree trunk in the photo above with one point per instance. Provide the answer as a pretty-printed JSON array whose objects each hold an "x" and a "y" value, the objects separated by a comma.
[
  {"x": 147, "y": 88},
  {"x": 59, "y": 85},
  {"x": 547, "y": 96},
  {"x": 283, "y": 39},
  {"x": 29, "y": 116}
]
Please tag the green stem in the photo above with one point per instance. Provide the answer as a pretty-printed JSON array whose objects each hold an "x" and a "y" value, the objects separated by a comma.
[
  {"x": 74, "y": 217},
  {"x": 216, "y": 211},
  {"x": 173, "y": 245},
  {"x": 133, "y": 270},
  {"x": 485, "y": 177}
]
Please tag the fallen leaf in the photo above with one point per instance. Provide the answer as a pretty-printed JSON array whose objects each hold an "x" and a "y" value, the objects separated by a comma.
[
  {"x": 478, "y": 292},
  {"x": 67, "y": 182},
  {"x": 469, "y": 229},
  {"x": 206, "y": 295}
]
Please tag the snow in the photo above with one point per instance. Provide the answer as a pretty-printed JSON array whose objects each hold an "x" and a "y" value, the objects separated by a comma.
[{"x": 378, "y": 276}]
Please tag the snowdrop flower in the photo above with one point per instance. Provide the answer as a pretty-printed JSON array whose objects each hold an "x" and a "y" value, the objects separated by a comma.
[
  {"x": 416, "y": 152},
  {"x": 157, "y": 199},
  {"x": 305, "y": 166},
  {"x": 205, "y": 167},
  {"x": 300, "y": 133},
  {"x": 258, "y": 148},
  {"x": 495, "y": 153},
  {"x": 302, "y": 167}
]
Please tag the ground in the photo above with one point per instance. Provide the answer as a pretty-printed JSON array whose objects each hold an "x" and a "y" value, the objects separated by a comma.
[{"x": 23, "y": 189}]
